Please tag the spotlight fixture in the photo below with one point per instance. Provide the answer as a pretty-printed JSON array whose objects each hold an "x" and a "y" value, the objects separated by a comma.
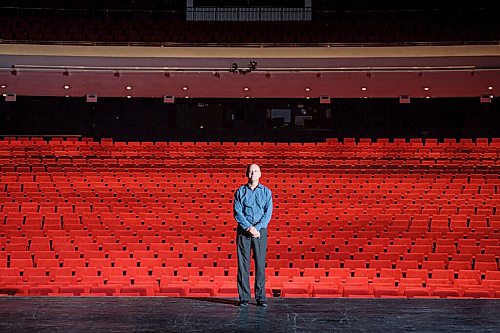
[
  {"x": 66, "y": 73},
  {"x": 489, "y": 88},
  {"x": 307, "y": 89},
  {"x": 13, "y": 71},
  {"x": 128, "y": 87},
  {"x": 252, "y": 65},
  {"x": 236, "y": 70},
  {"x": 363, "y": 88},
  {"x": 66, "y": 87},
  {"x": 117, "y": 74},
  {"x": 3, "y": 86},
  {"x": 217, "y": 74},
  {"x": 185, "y": 88},
  {"x": 246, "y": 88},
  {"x": 426, "y": 88},
  {"x": 167, "y": 74}
]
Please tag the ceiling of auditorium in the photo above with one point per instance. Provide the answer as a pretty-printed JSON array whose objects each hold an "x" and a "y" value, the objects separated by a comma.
[{"x": 288, "y": 73}]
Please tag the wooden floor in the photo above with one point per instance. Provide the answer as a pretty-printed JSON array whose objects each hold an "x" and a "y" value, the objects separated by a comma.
[{"x": 163, "y": 314}]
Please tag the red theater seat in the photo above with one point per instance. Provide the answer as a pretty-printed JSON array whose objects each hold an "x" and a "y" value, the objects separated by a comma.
[
  {"x": 417, "y": 292},
  {"x": 293, "y": 289}
]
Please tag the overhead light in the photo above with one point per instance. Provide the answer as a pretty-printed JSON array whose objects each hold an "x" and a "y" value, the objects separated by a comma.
[
  {"x": 246, "y": 88},
  {"x": 67, "y": 87},
  {"x": 66, "y": 96},
  {"x": 128, "y": 96},
  {"x": 363, "y": 88},
  {"x": 308, "y": 89},
  {"x": 128, "y": 87},
  {"x": 427, "y": 97},
  {"x": 247, "y": 96},
  {"x": 186, "y": 96},
  {"x": 426, "y": 88},
  {"x": 308, "y": 97},
  {"x": 185, "y": 88},
  {"x": 3, "y": 86},
  {"x": 489, "y": 88}
]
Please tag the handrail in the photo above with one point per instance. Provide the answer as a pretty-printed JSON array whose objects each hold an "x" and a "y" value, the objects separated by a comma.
[{"x": 256, "y": 45}]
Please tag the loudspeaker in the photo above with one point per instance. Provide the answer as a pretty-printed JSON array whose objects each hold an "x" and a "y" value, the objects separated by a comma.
[
  {"x": 168, "y": 99},
  {"x": 9, "y": 97},
  {"x": 324, "y": 100},
  {"x": 404, "y": 99},
  {"x": 485, "y": 99},
  {"x": 92, "y": 98}
]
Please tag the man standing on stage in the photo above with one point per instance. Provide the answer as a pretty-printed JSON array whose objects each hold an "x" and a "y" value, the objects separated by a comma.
[{"x": 253, "y": 207}]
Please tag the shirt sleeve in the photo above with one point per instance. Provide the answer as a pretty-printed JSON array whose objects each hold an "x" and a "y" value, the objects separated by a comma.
[
  {"x": 238, "y": 212},
  {"x": 268, "y": 211}
]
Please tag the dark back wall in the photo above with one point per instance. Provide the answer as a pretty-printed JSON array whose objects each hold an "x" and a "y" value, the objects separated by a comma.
[{"x": 144, "y": 119}]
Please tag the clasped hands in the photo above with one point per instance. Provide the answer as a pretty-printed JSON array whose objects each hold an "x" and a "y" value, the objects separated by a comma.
[{"x": 254, "y": 232}]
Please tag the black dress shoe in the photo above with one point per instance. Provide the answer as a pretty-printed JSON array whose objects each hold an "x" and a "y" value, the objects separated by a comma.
[
  {"x": 244, "y": 303},
  {"x": 262, "y": 303}
]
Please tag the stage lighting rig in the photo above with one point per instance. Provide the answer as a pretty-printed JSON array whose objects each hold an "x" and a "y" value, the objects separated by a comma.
[{"x": 236, "y": 70}]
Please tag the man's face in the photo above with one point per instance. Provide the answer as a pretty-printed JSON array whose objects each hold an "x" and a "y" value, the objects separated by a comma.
[{"x": 253, "y": 173}]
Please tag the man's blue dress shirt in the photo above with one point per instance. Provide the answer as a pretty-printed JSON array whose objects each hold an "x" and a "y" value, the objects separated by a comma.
[{"x": 253, "y": 207}]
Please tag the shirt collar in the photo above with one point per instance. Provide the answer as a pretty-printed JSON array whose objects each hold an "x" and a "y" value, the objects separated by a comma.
[{"x": 258, "y": 186}]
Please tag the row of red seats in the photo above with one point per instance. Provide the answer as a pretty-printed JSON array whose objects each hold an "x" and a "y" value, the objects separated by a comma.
[{"x": 285, "y": 286}]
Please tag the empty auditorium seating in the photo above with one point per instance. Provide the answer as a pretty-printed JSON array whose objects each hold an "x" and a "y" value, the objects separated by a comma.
[{"x": 355, "y": 219}]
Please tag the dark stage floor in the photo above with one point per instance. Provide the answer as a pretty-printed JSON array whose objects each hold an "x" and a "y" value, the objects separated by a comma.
[{"x": 160, "y": 314}]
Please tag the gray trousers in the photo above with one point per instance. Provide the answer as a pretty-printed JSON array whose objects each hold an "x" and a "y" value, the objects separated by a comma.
[{"x": 244, "y": 243}]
